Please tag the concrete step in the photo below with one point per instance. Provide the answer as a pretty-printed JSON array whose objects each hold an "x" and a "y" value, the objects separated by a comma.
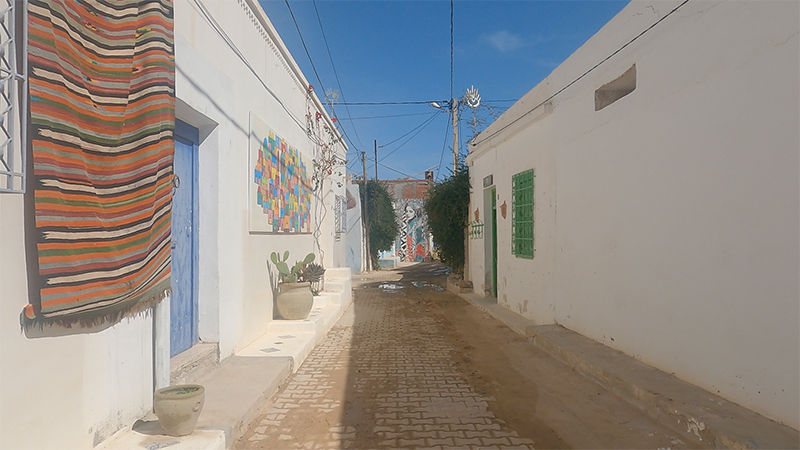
[{"x": 189, "y": 366}]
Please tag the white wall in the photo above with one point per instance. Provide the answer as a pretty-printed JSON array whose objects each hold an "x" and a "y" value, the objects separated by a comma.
[
  {"x": 61, "y": 390},
  {"x": 666, "y": 224},
  {"x": 215, "y": 87},
  {"x": 73, "y": 388}
]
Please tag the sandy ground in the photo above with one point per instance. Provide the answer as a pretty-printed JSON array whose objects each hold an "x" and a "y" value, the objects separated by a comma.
[{"x": 413, "y": 366}]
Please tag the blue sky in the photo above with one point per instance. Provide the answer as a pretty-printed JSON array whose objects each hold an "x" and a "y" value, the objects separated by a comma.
[{"x": 399, "y": 51}]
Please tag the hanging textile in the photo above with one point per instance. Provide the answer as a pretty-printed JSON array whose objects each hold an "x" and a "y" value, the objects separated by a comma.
[{"x": 102, "y": 106}]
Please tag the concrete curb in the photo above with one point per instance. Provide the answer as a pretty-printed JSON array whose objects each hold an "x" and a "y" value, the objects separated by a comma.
[{"x": 696, "y": 414}]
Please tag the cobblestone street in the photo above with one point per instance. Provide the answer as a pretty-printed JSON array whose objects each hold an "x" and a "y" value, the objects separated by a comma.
[{"x": 395, "y": 372}]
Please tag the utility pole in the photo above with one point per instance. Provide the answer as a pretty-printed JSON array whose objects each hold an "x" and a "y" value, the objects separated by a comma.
[
  {"x": 454, "y": 111},
  {"x": 376, "y": 160},
  {"x": 366, "y": 215}
]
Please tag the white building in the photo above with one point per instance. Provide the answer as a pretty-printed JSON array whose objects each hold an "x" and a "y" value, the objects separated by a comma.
[
  {"x": 235, "y": 82},
  {"x": 652, "y": 203}
]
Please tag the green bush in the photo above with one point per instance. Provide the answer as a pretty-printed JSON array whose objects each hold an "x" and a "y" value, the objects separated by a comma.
[
  {"x": 383, "y": 228},
  {"x": 447, "y": 208}
]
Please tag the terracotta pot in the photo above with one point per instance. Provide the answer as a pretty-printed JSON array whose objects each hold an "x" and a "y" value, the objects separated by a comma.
[
  {"x": 177, "y": 409},
  {"x": 294, "y": 300}
]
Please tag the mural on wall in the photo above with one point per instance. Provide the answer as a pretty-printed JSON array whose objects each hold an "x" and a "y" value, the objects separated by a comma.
[
  {"x": 280, "y": 196},
  {"x": 412, "y": 244}
]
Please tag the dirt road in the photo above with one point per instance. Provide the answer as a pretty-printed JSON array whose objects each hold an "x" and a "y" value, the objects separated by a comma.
[{"x": 413, "y": 366}]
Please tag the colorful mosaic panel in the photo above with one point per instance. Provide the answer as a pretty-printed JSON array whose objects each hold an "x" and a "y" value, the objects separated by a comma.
[{"x": 283, "y": 193}]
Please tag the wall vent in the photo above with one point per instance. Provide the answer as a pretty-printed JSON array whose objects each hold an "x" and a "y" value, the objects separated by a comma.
[{"x": 615, "y": 90}]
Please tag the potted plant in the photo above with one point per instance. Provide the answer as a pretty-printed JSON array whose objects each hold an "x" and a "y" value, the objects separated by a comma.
[
  {"x": 313, "y": 273},
  {"x": 294, "y": 300},
  {"x": 178, "y": 408}
]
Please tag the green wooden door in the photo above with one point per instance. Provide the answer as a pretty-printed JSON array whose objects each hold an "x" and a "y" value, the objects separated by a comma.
[{"x": 494, "y": 242}]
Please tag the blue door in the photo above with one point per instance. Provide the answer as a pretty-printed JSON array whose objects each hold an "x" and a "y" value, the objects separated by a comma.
[{"x": 183, "y": 303}]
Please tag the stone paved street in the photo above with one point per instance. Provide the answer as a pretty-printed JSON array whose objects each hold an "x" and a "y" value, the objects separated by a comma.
[{"x": 388, "y": 375}]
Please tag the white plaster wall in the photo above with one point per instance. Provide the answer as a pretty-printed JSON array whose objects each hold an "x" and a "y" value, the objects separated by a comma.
[
  {"x": 63, "y": 391},
  {"x": 217, "y": 86},
  {"x": 677, "y": 208}
]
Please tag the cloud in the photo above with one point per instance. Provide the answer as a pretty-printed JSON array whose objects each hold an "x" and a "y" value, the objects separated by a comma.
[{"x": 504, "y": 41}]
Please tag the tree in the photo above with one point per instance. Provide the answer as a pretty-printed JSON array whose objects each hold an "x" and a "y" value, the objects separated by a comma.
[
  {"x": 383, "y": 228},
  {"x": 447, "y": 208}
]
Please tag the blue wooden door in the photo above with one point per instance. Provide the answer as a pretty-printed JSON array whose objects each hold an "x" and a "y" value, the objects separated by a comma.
[{"x": 183, "y": 303}]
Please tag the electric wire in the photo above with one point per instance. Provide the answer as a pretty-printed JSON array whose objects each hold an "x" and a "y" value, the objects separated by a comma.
[
  {"x": 412, "y": 137},
  {"x": 451, "y": 48},
  {"x": 218, "y": 29},
  {"x": 506, "y": 126},
  {"x": 426, "y": 102},
  {"x": 386, "y": 117},
  {"x": 314, "y": 68},
  {"x": 336, "y": 74},
  {"x": 444, "y": 147},
  {"x": 433, "y": 114}
]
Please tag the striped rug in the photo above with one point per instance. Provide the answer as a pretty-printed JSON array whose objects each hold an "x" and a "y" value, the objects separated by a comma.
[{"x": 102, "y": 105}]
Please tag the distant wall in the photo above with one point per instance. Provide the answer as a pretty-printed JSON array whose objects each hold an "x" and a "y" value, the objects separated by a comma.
[
  {"x": 356, "y": 254},
  {"x": 666, "y": 222}
]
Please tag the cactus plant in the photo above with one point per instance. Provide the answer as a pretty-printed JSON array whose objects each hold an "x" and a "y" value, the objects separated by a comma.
[{"x": 287, "y": 274}]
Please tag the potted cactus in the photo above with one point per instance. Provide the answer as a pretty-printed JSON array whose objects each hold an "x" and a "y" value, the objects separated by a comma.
[{"x": 294, "y": 299}]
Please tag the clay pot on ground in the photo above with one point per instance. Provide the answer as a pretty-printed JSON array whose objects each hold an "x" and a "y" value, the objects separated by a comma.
[
  {"x": 294, "y": 300},
  {"x": 178, "y": 408}
]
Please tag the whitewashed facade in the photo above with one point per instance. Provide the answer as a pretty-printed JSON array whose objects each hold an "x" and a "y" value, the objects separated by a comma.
[
  {"x": 666, "y": 196},
  {"x": 74, "y": 388}
]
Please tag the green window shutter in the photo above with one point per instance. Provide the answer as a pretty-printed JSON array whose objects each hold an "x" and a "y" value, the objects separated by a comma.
[{"x": 522, "y": 214}]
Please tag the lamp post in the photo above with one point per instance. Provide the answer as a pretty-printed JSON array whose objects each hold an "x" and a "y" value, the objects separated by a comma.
[{"x": 472, "y": 99}]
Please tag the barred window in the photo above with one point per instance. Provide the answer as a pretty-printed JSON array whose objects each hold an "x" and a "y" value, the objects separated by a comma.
[
  {"x": 13, "y": 97},
  {"x": 340, "y": 208},
  {"x": 522, "y": 214}
]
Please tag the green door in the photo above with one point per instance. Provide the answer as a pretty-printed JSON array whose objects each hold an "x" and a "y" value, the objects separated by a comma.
[{"x": 494, "y": 242}]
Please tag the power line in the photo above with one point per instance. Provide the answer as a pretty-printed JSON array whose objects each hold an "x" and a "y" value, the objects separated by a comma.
[
  {"x": 336, "y": 74},
  {"x": 426, "y": 102},
  {"x": 218, "y": 29},
  {"x": 580, "y": 77},
  {"x": 313, "y": 67},
  {"x": 451, "y": 48},
  {"x": 433, "y": 114},
  {"x": 444, "y": 147},
  {"x": 386, "y": 167},
  {"x": 387, "y": 117},
  {"x": 412, "y": 137}
]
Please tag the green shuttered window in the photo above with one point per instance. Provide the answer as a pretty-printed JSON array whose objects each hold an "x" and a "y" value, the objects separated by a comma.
[{"x": 522, "y": 215}]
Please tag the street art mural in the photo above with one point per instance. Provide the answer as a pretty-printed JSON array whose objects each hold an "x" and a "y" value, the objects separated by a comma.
[
  {"x": 412, "y": 244},
  {"x": 280, "y": 194}
]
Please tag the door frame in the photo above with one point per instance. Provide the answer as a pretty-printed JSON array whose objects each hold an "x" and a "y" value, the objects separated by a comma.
[
  {"x": 190, "y": 135},
  {"x": 490, "y": 239}
]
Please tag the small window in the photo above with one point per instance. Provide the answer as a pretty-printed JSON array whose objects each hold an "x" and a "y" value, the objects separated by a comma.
[
  {"x": 522, "y": 214},
  {"x": 615, "y": 90},
  {"x": 340, "y": 215}
]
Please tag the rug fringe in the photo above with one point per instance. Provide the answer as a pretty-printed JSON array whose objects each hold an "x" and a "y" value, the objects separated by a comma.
[{"x": 141, "y": 308}]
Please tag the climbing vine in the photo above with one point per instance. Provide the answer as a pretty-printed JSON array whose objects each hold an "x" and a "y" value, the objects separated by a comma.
[{"x": 326, "y": 164}]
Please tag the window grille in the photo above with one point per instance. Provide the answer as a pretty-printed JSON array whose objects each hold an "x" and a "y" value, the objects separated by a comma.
[
  {"x": 341, "y": 214},
  {"x": 13, "y": 94},
  {"x": 522, "y": 214}
]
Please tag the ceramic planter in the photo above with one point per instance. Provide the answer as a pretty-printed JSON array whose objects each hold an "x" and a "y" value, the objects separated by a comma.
[
  {"x": 294, "y": 300},
  {"x": 178, "y": 408}
]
